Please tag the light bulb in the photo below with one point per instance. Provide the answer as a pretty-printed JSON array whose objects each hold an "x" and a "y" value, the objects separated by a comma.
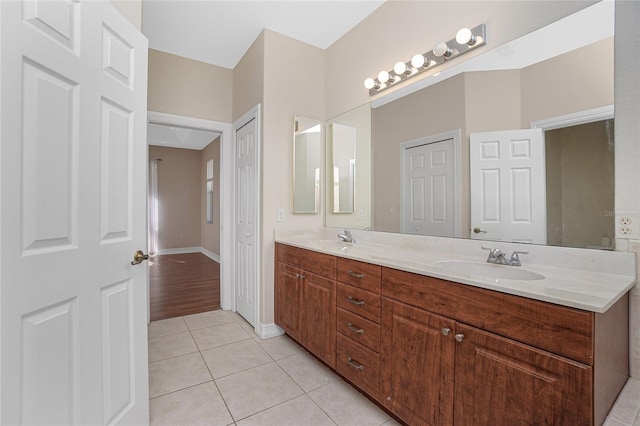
[
  {"x": 417, "y": 61},
  {"x": 369, "y": 83},
  {"x": 441, "y": 49},
  {"x": 400, "y": 68},
  {"x": 383, "y": 76},
  {"x": 464, "y": 36}
]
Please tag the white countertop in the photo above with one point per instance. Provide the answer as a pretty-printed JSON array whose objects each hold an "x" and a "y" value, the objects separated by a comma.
[{"x": 592, "y": 280}]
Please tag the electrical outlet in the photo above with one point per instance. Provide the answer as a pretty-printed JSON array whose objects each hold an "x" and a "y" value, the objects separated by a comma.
[
  {"x": 280, "y": 215},
  {"x": 625, "y": 220},
  {"x": 625, "y": 230}
]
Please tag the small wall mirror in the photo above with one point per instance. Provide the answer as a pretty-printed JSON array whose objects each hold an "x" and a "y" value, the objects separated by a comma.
[
  {"x": 307, "y": 150},
  {"x": 343, "y": 167}
]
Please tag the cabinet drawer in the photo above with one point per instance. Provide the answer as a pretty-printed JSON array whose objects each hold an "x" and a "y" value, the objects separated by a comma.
[
  {"x": 359, "y": 274},
  {"x": 318, "y": 263},
  {"x": 359, "y": 329},
  {"x": 359, "y": 364},
  {"x": 359, "y": 301}
]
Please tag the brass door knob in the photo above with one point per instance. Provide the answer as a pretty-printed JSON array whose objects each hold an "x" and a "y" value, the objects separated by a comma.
[
  {"x": 478, "y": 230},
  {"x": 138, "y": 257}
]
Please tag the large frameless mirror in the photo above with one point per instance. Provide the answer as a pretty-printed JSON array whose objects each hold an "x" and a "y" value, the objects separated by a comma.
[{"x": 307, "y": 142}]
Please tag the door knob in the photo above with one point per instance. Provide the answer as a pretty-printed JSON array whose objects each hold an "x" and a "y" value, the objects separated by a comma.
[
  {"x": 478, "y": 230},
  {"x": 138, "y": 257}
]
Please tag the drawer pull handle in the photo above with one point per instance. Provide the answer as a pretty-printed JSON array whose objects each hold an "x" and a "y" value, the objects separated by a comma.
[
  {"x": 356, "y": 301},
  {"x": 355, "y": 329},
  {"x": 300, "y": 276},
  {"x": 355, "y": 274},
  {"x": 354, "y": 364}
]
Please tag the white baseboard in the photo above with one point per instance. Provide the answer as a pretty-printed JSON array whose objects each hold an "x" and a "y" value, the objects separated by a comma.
[
  {"x": 184, "y": 250},
  {"x": 266, "y": 331},
  {"x": 211, "y": 255}
]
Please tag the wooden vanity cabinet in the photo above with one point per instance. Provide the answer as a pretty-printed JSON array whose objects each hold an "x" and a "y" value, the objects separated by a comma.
[
  {"x": 435, "y": 352},
  {"x": 305, "y": 299}
]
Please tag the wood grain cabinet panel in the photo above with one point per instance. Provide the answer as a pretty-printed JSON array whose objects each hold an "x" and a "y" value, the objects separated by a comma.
[
  {"x": 417, "y": 364},
  {"x": 502, "y": 382},
  {"x": 359, "y": 329},
  {"x": 359, "y": 364},
  {"x": 319, "y": 317},
  {"x": 359, "y": 274},
  {"x": 362, "y": 302},
  {"x": 288, "y": 299}
]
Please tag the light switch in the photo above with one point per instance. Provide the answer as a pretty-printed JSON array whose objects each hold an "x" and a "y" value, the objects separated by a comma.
[{"x": 280, "y": 215}]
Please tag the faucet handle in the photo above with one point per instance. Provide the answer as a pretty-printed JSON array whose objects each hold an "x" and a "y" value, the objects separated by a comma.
[{"x": 515, "y": 259}]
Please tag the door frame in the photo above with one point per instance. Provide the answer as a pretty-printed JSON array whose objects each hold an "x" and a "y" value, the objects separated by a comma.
[
  {"x": 575, "y": 119},
  {"x": 227, "y": 300},
  {"x": 252, "y": 114},
  {"x": 456, "y": 135}
]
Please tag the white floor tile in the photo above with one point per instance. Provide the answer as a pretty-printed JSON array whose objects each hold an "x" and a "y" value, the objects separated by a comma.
[
  {"x": 173, "y": 374},
  {"x": 307, "y": 372},
  {"x": 234, "y": 357},
  {"x": 257, "y": 389},
  {"x": 281, "y": 347},
  {"x": 219, "y": 335},
  {"x": 198, "y": 405},
  {"x": 167, "y": 326},
  {"x": 208, "y": 319},
  {"x": 346, "y": 406},
  {"x": 298, "y": 411},
  {"x": 169, "y": 346}
]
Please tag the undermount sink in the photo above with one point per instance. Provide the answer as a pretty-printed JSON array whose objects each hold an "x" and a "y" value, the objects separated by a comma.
[{"x": 489, "y": 270}]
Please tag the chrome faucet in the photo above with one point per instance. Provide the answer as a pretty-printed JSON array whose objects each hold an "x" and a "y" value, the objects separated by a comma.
[
  {"x": 346, "y": 236},
  {"x": 498, "y": 257}
]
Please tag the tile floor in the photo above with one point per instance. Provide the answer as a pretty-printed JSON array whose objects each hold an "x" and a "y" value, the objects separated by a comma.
[
  {"x": 212, "y": 369},
  {"x": 626, "y": 410}
]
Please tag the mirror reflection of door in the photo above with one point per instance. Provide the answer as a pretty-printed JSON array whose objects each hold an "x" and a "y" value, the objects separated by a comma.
[
  {"x": 429, "y": 187},
  {"x": 508, "y": 200}
]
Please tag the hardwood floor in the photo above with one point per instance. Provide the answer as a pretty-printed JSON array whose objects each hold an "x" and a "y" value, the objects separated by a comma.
[{"x": 183, "y": 284}]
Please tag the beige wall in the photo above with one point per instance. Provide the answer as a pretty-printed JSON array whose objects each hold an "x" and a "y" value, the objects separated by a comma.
[
  {"x": 248, "y": 79},
  {"x": 210, "y": 232},
  {"x": 399, "y": 29},
  {"x": 190, "y": 88},
  {"x": 178, "y": 197},
  {"x": 293, "y": 85},
  {"x": 130, "y": 9},
  {"x": 576, "y": 81}
]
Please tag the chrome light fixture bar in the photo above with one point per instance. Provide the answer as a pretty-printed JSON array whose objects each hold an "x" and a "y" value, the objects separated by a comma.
[{"x": 465, "y": 40}]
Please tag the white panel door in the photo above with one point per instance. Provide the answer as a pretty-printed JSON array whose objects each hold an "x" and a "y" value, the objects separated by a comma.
[
  {"x": 508, "y": 186},
  {"x": 429, "y": 188},
  {"x": 246, "y": 148},
  {"x": 73, "y": 310}
]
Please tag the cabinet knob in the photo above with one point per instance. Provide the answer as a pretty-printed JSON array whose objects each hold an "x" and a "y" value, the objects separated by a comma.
[
  {"x": 459, "y": 337},
  {"x": 446, "y": 331}
]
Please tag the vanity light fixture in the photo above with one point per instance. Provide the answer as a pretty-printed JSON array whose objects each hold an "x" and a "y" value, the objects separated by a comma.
[{"x": 465, "y": 40}]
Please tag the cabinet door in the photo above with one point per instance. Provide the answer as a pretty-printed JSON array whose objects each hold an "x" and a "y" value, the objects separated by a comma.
[
  {"x": 288, "y": 299},
  {"x": 503, "y": 382},
  {"x": 319, "y": 317},
  {"x": 417, "y": 364}
]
